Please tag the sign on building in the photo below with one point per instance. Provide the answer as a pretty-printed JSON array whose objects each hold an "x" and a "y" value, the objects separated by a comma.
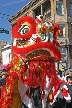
[
  {"x": 63, "y": 65},
  {"x": 4, "y": 31}
]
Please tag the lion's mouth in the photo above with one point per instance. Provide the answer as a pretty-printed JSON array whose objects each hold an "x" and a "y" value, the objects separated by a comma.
[
  {"x": 40, "y": 55},
  {"x": 43, "y": 51}
]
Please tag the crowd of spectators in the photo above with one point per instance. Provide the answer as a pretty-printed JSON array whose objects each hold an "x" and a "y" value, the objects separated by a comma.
[
  {"x": 3, "y": 76},
  {"x": 66, "y": 77}
]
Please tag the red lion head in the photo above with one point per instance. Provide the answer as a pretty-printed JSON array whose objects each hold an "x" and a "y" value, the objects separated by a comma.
[{"x": 36, "y": 37}]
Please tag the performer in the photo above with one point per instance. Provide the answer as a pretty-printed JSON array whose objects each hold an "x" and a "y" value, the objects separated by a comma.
[
  {"x": 59, "y": 94},
  {"x": 35, "y": 51}
]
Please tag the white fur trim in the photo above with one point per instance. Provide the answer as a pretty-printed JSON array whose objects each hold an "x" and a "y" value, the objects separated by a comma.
[
  {"x": 14, "y": 42},
  {"x": 68, "y": 98},
  {"x": 22, "y": 89},
  {"x": 64, "y": 78},
  {"x": 27, "y": 101},
  {"x": 47, "y": 82},
  {"x": 46, "y": 90},
  {"x": 57, "y": 94},
  {"x": 65, "y": 87},
  {"x": 39, "y": 17},
  {"x": 44, "y": 103}
]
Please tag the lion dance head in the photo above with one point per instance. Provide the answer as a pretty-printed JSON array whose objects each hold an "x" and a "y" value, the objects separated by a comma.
[{"x": 35, "y": 41}]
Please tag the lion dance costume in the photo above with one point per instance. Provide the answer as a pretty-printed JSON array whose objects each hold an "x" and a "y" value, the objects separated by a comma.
[{"x": 35, "y": 51}]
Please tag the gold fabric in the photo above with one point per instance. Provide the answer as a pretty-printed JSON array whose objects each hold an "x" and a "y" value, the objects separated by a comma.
[{"x": 16, "y": 96}]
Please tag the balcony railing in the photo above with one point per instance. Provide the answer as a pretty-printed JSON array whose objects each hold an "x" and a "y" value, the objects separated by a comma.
[{"x": 65, "y": 41}]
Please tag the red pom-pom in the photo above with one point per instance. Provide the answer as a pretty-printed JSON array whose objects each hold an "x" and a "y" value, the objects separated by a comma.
[
  {"x": 38, "y": 39},
  {"x": 57, "y": 30},
  {"x": 44, "y": 29}
]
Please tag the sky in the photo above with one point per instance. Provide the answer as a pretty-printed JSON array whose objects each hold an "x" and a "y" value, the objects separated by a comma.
[{"x": 8, "y": 8}]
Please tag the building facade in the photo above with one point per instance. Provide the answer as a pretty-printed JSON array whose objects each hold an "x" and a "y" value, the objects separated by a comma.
[
  {"x": 2, "y": 44},
  {"x": 57, "y": 11},
  {"x": 6, "y": 54}
]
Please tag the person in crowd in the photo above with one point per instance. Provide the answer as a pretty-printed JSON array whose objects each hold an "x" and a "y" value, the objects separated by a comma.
[
  {"x": 2, "y": 80},
  {"x": 0, "y": 75},
  {"x": 69, "y": 86},
  {"x": 60, "y": 73},
  {"x": 63, "y": 72},
  {"x": 68, "y": 73}
]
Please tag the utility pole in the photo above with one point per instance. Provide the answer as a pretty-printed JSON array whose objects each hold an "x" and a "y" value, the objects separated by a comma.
[{"x": 41, "y": 10}]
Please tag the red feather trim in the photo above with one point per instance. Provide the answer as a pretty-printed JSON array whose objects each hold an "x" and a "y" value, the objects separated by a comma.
[
  {"x": 41, "y": 45},
  {"x": 32, "y": 23},
  {"x": 56, "y": 43},
  {"x": 56, "y": 28},
  {"x": 65, "y": 92}
]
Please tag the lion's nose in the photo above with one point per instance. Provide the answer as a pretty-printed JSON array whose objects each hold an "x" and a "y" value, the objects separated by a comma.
[{"x": 38, "y": 40}]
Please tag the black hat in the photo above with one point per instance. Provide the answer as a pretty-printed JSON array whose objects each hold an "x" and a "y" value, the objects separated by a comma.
[{"x": 69, "y": 77}]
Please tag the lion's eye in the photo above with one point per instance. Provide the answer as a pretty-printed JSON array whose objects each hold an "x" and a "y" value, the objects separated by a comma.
[
  {"x": 48, "y": 37},
  {"x": 48, "y": 24},
  {"x": 24, "y": 29}
]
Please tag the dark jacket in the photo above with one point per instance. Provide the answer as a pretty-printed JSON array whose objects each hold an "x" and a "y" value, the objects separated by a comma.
[{"x": 2, "y": 82}]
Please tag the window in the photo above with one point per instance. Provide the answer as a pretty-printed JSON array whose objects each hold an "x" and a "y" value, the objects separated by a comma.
[
  {"x": 71, "y": 63},
  {"x": 64, "y": 58},
  {"x": 47, "y": 14},
  {"x": 59, "y": 8},
  {"x": 70, "y": 5},
  {"x": 47, "y": 10},
  {"x": 63, "y": 50},
  {"x": 37, "y": 11},
  {"x": 62, "y": 27},
  {"x": 64, "y": 54}
]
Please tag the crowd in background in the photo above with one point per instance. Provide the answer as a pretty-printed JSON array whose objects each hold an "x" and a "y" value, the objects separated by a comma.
[
  {"x": 3, "y": 76},
  {"x": 66, "y": 77}
]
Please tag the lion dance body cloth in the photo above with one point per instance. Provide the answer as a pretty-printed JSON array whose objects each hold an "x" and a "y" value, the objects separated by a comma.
[{"x": 35, "y": 52}]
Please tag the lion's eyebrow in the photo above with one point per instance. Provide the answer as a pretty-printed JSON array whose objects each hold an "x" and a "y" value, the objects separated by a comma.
[{"x": 21, "y": 28}]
